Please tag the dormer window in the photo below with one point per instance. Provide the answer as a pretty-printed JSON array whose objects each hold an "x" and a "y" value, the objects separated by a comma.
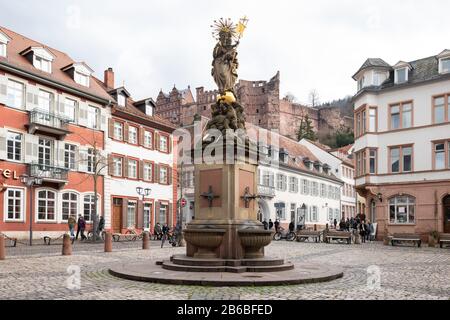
[
  {"x": 121, "y": 100},
  {"x": 82, "y": 79},
  {"x": 445, "y": 65},
  {"x": 401, "y": 75},
  {"x": 42, "y": 64},
  {"x": 4, "y": 39},
  {"x": 79, "y": 72},
  {"x": 361, "y": 83}
]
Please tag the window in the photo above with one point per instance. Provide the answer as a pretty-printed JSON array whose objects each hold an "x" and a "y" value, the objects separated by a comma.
[
  {"x": 45, "y": 100},
  {"x": 293, "y": 209},
  {"x": 293, "y": 184},
  {"x": 15, "y": 94},
  {"x": 330, "y": 192},
  {"x": 82, "y": 79},
  {"x": 117, "y": 167},
  {"x": 361, "y": 83},
  {"x": 441, "y": 109},
  {"x": 89, "y": 207},
  {"x": 45, "y": 151},
  {"x": 314, "y": 188},
  {"x": 148, "y": 171},
  {"x": 70, "y": 109},
  {"x": 401, "y": 75},
  {"x": 305, "y": 187},
  {"x": 445, "y": 65},
  {"x": 14, "y": 146},
  {"x": 42, "y": 64},
  {"x": 163, "y": 209},
  {"x": 163, "y": 143},
  {"x": 46, "y": 205},
  {"x": 442, "y": 155},
  {"x": 314, "y": 215},
  {"x": 118, "y": 131},
  {"x": 372, "y": 161},
  {"x": 91, "y": 161},
  {"x": 281, "y": 182},
  {"x": 2, "y": 49},
  {"x": 14, "y": 204},
  {"x": 323, "y": 190},
  {"x": 372, "y": 119},
  {"x": 337, "y": 214},
  {"x": 402, "y": 210},
  {"x": 163, "y": 178},
  {"x": 121, "y": 100},
  {"x": 401, "y": 116},
  {"x": 131, "y": 214},
  {"x": 70, "y": 151},
  {"x": 148, "y": 139},
  {"x": 69, "y": 205},
  {"x": 132, "y": 169},
  {"x": 330, "y": 214},
  {"x": 132, "y": 135},
  {"x": 147, "y": 215},
  {"x": 280, "y": 210},
  {"x": 92, "y": 117},
  {"x": 401, "y": 159}
]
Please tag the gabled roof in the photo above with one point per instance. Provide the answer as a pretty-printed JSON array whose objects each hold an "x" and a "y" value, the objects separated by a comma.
[
  {"x": 445, "y": 53},
  {"x": 78, "y": 65},
  {"x": 373, "y": 63},
  {"x": 15, "y": 62},
  {"x": 121, "y": 90},
  {"x": 402, "y": 64},
  {"x": 40, "y": 51}
]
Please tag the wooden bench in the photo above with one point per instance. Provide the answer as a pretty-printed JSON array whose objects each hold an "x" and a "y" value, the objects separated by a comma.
[
  {"x": 406, "y": 237},
  {"x": 444, "y": 238},
  {"x": 339, "y": 235},
  {"x": 129, "y": 235},
  {"x": 306, "y": 234},
  {"x": 12, "y": 241}
]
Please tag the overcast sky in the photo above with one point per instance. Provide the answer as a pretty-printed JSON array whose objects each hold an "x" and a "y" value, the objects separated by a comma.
[{"x": 153, "y": 45}]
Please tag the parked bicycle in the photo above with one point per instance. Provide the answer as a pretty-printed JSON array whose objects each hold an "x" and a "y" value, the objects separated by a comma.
[{"x": 284, "y": 234}]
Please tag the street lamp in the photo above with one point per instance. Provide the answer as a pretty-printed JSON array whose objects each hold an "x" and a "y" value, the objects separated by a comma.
[
  {"x": 144, "y": 193},
  {"x": 30, "y": 182}
]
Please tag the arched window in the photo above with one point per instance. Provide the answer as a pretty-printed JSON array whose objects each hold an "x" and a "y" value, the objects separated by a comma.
[
  {"x": 402, "y": 210},
  {"x": 88, "y": 207},
  {"x": 69, "y": 205},
  {"x": 46, "y": 209}
]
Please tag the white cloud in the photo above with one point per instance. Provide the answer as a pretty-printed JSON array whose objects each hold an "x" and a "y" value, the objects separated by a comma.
[{"x": 156, "y": 44}]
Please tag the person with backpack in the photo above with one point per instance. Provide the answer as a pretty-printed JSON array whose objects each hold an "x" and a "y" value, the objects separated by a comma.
[{"x": 81, "y": 227}]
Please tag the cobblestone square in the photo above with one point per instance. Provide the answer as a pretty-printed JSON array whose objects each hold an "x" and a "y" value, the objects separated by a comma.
[{"x": 405, "y": 273}]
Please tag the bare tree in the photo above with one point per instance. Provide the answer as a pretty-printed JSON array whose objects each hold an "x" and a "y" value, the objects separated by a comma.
[{"x": 314, "y": 98}]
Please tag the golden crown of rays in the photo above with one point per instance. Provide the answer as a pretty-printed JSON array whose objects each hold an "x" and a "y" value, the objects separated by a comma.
[{"x": 227, "y": 26}]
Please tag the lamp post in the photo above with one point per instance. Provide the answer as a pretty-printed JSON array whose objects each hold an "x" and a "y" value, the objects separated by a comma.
[
  {"x": 30, "y": 182},
  {"x": 144, "y": 193}
]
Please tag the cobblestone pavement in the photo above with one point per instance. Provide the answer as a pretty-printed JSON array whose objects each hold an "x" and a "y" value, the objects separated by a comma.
[{"x": 406, "y": 273}]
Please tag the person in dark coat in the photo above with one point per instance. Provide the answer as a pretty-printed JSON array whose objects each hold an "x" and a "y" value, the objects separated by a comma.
[
  {"x": 335, "y": 223},
  {"x": 165, "y": 234},
  {"x": 277, "y": 225},
  {"x": 362, "y": 232},
  {"x": 266, "y": 225},
  {"x": 291, "y": 226},
  {"x": 270, "y": 224},
  {"x": 81, "y": 227}
]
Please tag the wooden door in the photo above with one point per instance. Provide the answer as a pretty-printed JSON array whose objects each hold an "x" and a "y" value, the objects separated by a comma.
[
  {"x": 117, "y": 216},
  {"x": 446, "y": 210}
]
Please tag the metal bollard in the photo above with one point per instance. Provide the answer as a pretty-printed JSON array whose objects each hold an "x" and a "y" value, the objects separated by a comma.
[
  {"x": 146, "y": 241},
  {"x": 108, "y": 242},
  {"x": 2, "y": 247},
  {"x": 67, "y": 245}
]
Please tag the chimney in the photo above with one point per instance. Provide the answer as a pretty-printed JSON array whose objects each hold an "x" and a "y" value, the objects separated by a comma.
[{"x": 109, "y": 78}]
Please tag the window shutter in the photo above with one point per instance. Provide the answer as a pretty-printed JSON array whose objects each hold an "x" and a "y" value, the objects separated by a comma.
[
  {"x": 169, "y": 144},
  {"x": 31, "y": 148},
  {"x": 110, "y": 165},
  {"x": 32, "y": 97},
  {"x": 3, "y": 134},
  {"x": 82, "y": 117},
  {"x": 156, "y": 173},
  {"x": 141, "y": 136},
  {"x": 82, "y": 160},
  {"x": 125, "y": 167},
  {"x": 102, "y": 121},
  {"x": 3, "y": 90},
  {"x": 169, "y": 175},
  {"x": 170, "y": 215},
  {"x": 62, "y": 152},
  {"x": 156, "y": 142},
  {"x": 124, "y": 213},
  {"x": 111, "y": 128},
  {"x": 125, "y": 132},
  {"x": 157, "y": 209},
  {"x": 141, "y": 169},
  {"x": 140, "y": 214}
]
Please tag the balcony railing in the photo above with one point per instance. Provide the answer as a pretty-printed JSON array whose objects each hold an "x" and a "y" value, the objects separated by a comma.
[
  {"x": 266, "y": 191},
  {"x": 49, "y": 173},
  {"x": 42, "y": 120}
]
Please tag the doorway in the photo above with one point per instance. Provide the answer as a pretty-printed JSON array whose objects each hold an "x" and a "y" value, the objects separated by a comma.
[
  {"x": 446, "y": 210},
  {"x": 117, "y": 215}
]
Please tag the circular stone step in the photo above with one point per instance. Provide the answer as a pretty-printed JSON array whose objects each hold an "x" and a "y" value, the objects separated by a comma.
[{"x": 302, "y": 273}]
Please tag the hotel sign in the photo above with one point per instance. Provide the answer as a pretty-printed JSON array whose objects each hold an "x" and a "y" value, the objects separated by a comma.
[{"x": 9, "y": 174}]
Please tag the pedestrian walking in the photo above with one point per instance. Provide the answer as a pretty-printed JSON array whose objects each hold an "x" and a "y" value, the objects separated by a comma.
[
  {"x": 335, "y": 224},
  {"x": 362, "y": 232},
  {"x": 165, "y": 234},
  {"x": 81, "y": 227},
  {"x": 72, "y": 222},
  {"x": 270, "y": 224},
  {"x": 266, "y": 225}
]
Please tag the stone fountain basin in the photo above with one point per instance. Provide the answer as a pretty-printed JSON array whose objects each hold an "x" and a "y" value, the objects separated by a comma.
[
  {"x": 204, "y": 238},
  {"x": 255, "y": 238}
]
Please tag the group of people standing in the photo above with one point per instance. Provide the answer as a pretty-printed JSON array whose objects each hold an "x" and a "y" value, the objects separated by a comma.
[
  {"x": 81, "y": 226},
  {"x": 270, "y": 225},
  {"x": 360, "y": 225}
]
